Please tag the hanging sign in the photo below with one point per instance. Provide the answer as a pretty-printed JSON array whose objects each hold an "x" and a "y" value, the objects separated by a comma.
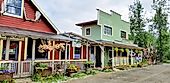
[
  {"x": 12, "y": 37},
  {"x": 76, "y": 43}
]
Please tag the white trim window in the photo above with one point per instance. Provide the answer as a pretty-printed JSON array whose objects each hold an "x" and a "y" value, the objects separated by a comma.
[
  {"x": 87, "y": 31},
  {"x": 14, "y": 8},
  {"x": 123, "y": 34},
  {"x": 107, "y": 30}
]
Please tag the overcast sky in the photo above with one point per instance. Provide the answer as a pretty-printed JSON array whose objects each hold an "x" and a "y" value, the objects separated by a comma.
[{"x": 66, "y": 13}]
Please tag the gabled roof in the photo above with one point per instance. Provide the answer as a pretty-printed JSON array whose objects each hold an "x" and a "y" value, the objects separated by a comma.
[
  {"x": 42, "y": 12},
  {"x": 87, "y": 23}
]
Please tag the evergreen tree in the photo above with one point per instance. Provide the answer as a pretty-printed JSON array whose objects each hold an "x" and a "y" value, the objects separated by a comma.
[
  {"x": 160, "y": 22},
  {"x": 137, "y": 23}
]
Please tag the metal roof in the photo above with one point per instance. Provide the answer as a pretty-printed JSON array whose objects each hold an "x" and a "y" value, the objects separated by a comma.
[{"x": 10, "y": 31}]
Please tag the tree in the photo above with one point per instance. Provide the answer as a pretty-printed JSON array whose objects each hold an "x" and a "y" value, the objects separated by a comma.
[
  {"x": 160, "y": 22},
  {"x": 137, "y": 23}
]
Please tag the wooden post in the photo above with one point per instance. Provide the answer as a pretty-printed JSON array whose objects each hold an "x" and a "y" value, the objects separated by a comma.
[
  {"x": 66, "y": 51},
  {"x": 25, "y": 50},
  {"x": 1, "y": 49},
  {"x": 82, "y": 52},
  {"x": 95, "y": 56},
  {"x": 49, "y": 52},
  {"x": 116, "y": 58},
  {"x": 33, "y": 54},
  {"x": 113, "y": 57},
  {"x": 131, "y": 57},
  {"x": 53, "y": 53},
  {"x": 19, "y": 53},
  {"x": 19, "y": 57},
  {"x": 102, "y": 56},
  {"x": 127, "y": 58},
  {"x": 87, "y": 51},
  {"x": 7, "y": 49}
]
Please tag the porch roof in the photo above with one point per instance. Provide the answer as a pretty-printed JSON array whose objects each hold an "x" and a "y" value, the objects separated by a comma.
[
  {"x": 87, "y": 23},
  {"x": 79, "y": 37},
  {"x": 10, "y": 31},
  {"x": 119, "y": 44}
]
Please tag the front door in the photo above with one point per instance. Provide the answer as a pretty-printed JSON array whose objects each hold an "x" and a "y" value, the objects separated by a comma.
[{"x": 98, "y": 56}]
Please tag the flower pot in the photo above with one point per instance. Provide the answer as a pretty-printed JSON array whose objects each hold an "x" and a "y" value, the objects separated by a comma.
[
  {"x": 44, "y": 71},
  {"x": 6, "y": 76}
]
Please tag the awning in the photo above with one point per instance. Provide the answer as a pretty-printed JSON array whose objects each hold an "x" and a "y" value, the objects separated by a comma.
[
  {"x": 119, "y": 44},
  {"x": 8, "y": 31}
]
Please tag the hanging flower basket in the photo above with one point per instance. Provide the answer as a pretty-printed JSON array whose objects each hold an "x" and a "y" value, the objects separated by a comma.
[
  {"x": 48, "y": 47},
  {"x": 122, "y": 50},
  {"x": 127, "y": 50},
  {"x": 116, "y": 49}
]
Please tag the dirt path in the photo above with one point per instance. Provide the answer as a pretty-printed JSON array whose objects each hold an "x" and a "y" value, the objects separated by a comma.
[{"x": 151, "y": 74}]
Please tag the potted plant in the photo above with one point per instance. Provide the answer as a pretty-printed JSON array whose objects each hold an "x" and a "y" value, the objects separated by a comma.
[
  {"x": 72, "y": 69},
  {"x": 88, "y": 64},
  {"x": 6, "y": 74},
  {"x": 43, "y": 69}
]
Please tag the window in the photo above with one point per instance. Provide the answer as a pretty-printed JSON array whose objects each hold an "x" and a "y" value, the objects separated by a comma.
[
  {"x": 77, "y": 53},
  {"x": 14, "y": 7},
  {"x": 123, "y": 34},
  {"x": 107, "y": 30},
  {"x": 88, "y": 31}
]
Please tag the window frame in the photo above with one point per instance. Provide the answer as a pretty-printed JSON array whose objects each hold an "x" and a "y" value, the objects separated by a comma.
[
  {"x": 125, "y": 34},
  {"x": 86, "y": 31},
  {"x": 13, "y": 15},
  {"x": 106, "y": 32},
  {"x": 74, "y": 53}
]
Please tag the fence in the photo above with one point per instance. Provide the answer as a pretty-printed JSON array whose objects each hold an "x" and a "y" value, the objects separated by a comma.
[{"x": 25, "y": 68}]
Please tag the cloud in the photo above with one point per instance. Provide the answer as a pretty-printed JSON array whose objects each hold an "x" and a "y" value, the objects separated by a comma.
[{"x": 65, "y": 13}]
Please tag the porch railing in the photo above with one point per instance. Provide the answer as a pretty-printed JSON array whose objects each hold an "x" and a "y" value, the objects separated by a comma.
[{"x": 25, "y": 68}]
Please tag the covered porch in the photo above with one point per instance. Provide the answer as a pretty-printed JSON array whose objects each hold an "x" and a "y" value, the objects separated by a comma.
[
  {"x": 19, "y": 51},
  {"x": 117, "y": 54}
]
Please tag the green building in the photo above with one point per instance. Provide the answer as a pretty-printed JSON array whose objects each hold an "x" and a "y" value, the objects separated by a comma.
[{"x": 112, "y": 32}]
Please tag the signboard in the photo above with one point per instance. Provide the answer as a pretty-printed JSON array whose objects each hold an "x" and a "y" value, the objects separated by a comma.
[
  {"x": 76, "y": 43},
  {"x": 12, "y": 37}
]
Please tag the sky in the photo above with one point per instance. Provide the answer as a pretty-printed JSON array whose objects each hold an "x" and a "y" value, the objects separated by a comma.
[{"x": 66, "y": 13}]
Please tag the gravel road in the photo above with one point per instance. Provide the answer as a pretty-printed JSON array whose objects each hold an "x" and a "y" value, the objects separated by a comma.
[{"x": 151, "y": 74}]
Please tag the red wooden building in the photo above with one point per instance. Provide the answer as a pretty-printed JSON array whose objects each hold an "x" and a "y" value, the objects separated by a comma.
[{"x": 23, "y": 28}]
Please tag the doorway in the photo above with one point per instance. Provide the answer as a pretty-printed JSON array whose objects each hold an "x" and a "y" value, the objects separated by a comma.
[{"x": 98, "y": 57}]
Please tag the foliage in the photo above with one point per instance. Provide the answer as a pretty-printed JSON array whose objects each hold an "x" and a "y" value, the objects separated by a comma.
[
  {"x": 116, "y": 49},
  {"x": 8, "y": 81},
  {"x": 122, "y": 50},
  {"x": 53, "y": 78},
  {"x": 46, "y": 46},
  {"x": 79, "y": 75},
  {"x": 127, "y": 50},
  {"x": 137, "y": 23},
  {"x": 160, "y": 25},
  {"x": 73, "y": 67},
  {"x": 89, "y": 62}
]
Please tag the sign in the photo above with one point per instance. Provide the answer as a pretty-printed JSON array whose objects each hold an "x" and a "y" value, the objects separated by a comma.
[
  {"x": 76, "y": 43},
  {"x": 12, "y": 37}
]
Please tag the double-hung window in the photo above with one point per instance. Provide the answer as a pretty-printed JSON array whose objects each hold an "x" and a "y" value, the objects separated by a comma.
[
  {"x": 88, "y": 32},
  {"x": 123, "y": 34},
  {"x": 107, "y": 30},
  {"x": 14, "y": 7}
]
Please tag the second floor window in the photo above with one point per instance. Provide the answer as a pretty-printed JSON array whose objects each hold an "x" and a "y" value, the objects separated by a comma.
[
  {"x": 13, "y": 7},
  {"x": 123, "y": 34},
  {"x": 88, "y": 31},
  {"x": 107, "y": 30}
]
